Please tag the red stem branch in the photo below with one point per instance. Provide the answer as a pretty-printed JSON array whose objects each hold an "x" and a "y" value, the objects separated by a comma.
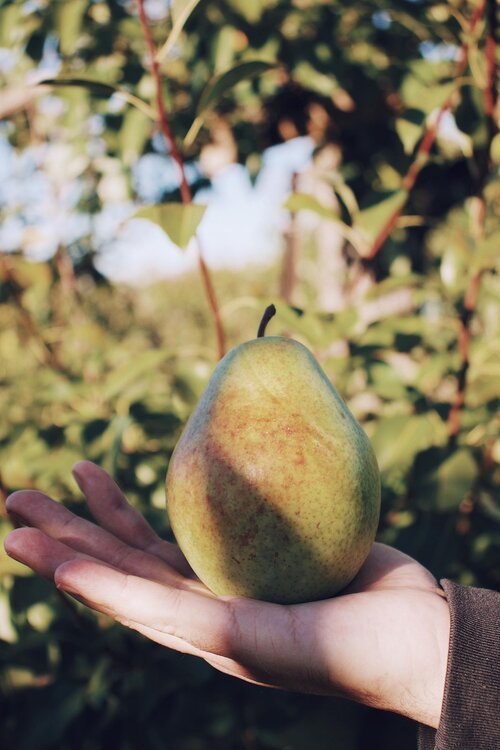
[
  {"x": 162, "y": 115},
  {"x": 185, "y": 190},
  {"x": 424, "y": 149}
]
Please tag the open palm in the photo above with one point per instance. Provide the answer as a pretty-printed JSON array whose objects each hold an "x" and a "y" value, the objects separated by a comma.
[{"x": 382, "y": 642}]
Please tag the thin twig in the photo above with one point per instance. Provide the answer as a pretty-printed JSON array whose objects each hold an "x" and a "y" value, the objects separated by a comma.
[
  {"x": 185, "y": 190},
  {"x": 424, "y": 149}
]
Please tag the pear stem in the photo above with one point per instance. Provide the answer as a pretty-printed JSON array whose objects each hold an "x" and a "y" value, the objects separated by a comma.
[{"x": 269, "y": 312}]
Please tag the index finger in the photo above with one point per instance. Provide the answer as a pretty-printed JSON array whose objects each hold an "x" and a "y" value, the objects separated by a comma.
[
  {"x": 201, "y": 620},
  {"x": 111, "y": 509}
]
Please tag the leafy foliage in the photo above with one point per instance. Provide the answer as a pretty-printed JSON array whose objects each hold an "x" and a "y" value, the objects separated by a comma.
[{"x": 178, "y": 221}]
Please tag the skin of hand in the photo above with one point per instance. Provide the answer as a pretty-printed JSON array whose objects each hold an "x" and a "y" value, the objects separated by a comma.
[{"x": 383, "y": 642}]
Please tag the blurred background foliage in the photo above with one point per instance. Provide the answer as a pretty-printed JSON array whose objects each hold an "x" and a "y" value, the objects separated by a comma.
[{"x": 111, "y": 372}]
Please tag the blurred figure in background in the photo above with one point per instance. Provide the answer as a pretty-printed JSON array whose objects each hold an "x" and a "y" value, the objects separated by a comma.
[{"x": 245, "y": 224}]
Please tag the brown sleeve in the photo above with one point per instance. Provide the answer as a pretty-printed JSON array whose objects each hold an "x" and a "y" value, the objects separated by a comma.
[{"x": 470, "y": 717}]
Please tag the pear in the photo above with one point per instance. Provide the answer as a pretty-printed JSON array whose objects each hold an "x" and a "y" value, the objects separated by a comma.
[{"x": 273, "y": 490}]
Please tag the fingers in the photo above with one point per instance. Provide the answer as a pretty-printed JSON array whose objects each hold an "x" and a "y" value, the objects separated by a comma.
[
  {"x": 222, "y": 663},
  {"x": 263, "y": 642},
  {"x": 112, "y": 511},
  {"x": 45, "y": 555},
  {"x": 53, "y": 519},
  {"x": 203, "y": 622},
  {"x": 38, "y": 551}
]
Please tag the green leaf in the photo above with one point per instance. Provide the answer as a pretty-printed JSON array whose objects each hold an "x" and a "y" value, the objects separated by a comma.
[
  {"x": 177, "y": 220},
  {"x": 311, "y": 78},
  {"x": 302, "y": 323},
  {"x": 181, "y": 11},
  {"x": 409, "y": 134},
  {"x": 371, "y": 220},
  {"x": 69, "y": 17},
  {"x": 102, "y": 89},
  {"x": 133, "y": 135},
  {"x": 428, "y": 85},
  {"x": 398, "y": 439},
  {"x": 225, "y": 48},
  {"x": 120, "y": 379},
  {"x": 393, "y": 283},
  {"x": 10, "y": 20},
  {"x": 305, "y": 202},
  {"x": 386, "y": 382},
  {"x": 219, "y": 86},
  {"x": 251, "y": 10},
  {"x": 442, "y": 480}
]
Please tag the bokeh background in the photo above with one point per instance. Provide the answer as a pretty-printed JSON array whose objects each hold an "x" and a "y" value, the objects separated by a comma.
[{"x": 348, "y": 157}]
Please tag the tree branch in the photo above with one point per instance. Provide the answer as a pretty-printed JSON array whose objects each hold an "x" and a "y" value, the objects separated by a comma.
[
  {"x": 162, "y": 115},
  {"x": 185, "y": 190},
  {"x": 424, "y": 149}
]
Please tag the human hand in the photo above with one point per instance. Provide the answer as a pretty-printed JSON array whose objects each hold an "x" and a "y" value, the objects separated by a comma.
[{"x": 382, "y": 642}]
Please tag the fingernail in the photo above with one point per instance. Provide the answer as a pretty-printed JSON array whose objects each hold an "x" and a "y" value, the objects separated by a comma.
[
  {"x": 67, "y": 588},
  {"x": 78, "y": 474},
  {"x": 11, "y": 499},
  {"x": 61, "y": 580},
  {"x": 9, "y": 545},
  {"x": 14, "y": 514}
]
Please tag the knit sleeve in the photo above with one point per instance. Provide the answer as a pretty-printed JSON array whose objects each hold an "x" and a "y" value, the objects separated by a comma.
[{"x": 470, "y": 716}]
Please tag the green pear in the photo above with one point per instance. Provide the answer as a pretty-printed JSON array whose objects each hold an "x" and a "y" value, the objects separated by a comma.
[{"x": 273, "y": 490}]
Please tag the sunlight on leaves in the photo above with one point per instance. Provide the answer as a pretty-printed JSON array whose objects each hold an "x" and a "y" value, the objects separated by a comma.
[{"x": 178, "y": 221}]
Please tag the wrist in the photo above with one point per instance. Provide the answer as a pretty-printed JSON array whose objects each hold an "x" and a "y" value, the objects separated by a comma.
[{"x": 431, "y": 664}]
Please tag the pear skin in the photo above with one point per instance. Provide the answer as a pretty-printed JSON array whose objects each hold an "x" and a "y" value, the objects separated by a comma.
[{"x": 273, "y": 490}]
